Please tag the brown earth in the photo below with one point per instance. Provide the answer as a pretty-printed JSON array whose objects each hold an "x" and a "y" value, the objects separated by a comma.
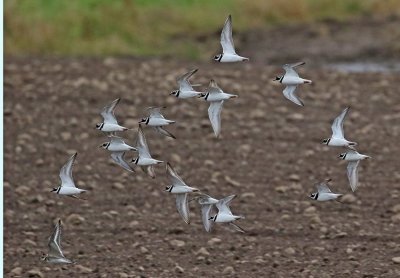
[
  {"x": 364, "y": 39},
  {"x": 269, "y": 154}
]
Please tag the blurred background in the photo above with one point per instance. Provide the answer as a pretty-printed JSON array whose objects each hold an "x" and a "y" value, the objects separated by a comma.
[{"x": 184, "y": 29}]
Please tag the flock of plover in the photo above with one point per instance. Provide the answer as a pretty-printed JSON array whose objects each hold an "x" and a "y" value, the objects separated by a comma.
[{"x": 216, "y": 97}]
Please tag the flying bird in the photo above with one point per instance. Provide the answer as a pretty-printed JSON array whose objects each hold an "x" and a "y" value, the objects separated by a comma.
[
  {"x": 118, "y": 147},
  {"x": 207, "y": 203},
  {"x": 144, "y": 159},
  {"x": 291, "y": 79},
  {"x": 185, "y": 88},
  {"x": 181, "y": 190},
  {"x": 225, "y": 215},
  {"x": 354, "y": 158},
  {"x": 324, "y": 193},
  {"x": 110, "y": 123},
  {"x": 55, "y": 254},
  {"x": 337, "y": 138},
  {"x": 228, "y": 48},
  {"x": 216, "y": 98},
  {"x": 156, "y": 120},
  {"x": 67, "y": 186},
  {"x": 117, "y": 144}
]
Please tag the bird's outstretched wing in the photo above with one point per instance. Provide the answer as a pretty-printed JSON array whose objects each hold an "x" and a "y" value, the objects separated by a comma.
[
  {"x": 66, "y": 172},
  {"x": 174, "y": 177},
  {"x": 352, "y": 174},
  {"x": 226, "y": 37},
  {"x": 290, "y": 93},
  {"x": 108, "y": 112},
  {"x": 214, "y": 113},
  {"x": 337, "y": 126},
  {"x": 183, "y": 81},
  {"x": 118, "y": 157}
]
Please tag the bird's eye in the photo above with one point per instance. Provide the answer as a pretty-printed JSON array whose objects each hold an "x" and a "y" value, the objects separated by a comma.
[{"x": 166, "y": 188}]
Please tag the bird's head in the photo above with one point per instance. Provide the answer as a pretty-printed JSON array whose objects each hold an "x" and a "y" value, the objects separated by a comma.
[
  {"x": 314, "y": 196},
  {"x": 325, "y": 141},
  {"x": 175, "y": 93},
  {"x": 143, "y": 120},
  {"x": 217, "y": 57},
  {"x": 212, "y": 218},
  {"x": 104, "y": 145}
]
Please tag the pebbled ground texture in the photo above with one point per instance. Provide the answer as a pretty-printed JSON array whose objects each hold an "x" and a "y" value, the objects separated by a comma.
[{"x": 269, "y": 154}]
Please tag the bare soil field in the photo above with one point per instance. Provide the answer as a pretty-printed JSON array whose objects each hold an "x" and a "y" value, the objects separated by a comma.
[{"x": 269, "y": 154}]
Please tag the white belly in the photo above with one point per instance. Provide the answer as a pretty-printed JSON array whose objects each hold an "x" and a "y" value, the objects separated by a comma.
[
  {"x": 66, "y": 190},
  {"x": 337, "y": 142},
  {"x": 293, "y": 80},
  {"x": 159, "y": 122},
  {"x": 224, "y": 217},
  {"x": 183, "y": 189},
  {"x": 231, "y": 58},
  {"x": 147, "y": 161},
  {"x": 112, "y": 128},
  {"x": 219, "y": 97},
  {"x": 58, "y": 260},
  {"x": 119, "y": 147},
  {"x": 327, "y": 196},
  {"x": 188, "y": 94},
  {"x": 355, "y": 157}
]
